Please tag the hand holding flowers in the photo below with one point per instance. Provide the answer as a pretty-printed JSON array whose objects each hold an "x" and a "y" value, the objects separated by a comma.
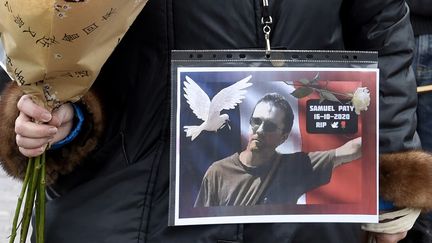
[
  {"x": 54, "y": 52},
  {"x": 36, "y": 127}
]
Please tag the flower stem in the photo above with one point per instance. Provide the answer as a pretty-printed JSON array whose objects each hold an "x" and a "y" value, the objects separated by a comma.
[
  {"x": 40, "y": 234},
  {"x": 20, "y": 200},
  {"x": 28, "y": 207},
  {"x": 333, "y": 92},
  {"x": 318, "y": 89}
]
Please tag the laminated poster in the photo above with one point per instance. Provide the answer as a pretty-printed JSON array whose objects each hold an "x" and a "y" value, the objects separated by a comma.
[{"x": 280, "y": 141}]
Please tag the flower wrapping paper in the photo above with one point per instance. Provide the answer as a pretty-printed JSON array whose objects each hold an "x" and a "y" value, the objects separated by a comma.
[{"x": 55, "y": 49}]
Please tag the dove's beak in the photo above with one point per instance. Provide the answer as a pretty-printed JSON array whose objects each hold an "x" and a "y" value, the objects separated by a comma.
[{"x": 228, "y": 124}]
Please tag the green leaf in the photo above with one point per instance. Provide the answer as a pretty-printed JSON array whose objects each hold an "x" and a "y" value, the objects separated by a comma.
[
  {"x": 302, "y": 92},
  {"x": 304, "y": 81},
  {"x": 321, "y": 98},
  {"x": 329, "y": 96}
]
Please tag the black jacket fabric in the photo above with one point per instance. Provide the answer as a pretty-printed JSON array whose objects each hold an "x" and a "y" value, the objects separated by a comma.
[
  {"x": 4, "y": 78},
  {"x": 421, "y": 16},
  {"x": 120, "y": 192}
]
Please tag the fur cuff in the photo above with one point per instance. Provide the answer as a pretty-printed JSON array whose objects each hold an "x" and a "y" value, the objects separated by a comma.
[
  {"x": 406, "y": 179},
  {"x": 59, "y": 162},
  {"x": 13, "y": 162}
]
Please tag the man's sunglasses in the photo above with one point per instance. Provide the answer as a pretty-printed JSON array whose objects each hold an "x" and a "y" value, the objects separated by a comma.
[{"x": 268, "y": 126}]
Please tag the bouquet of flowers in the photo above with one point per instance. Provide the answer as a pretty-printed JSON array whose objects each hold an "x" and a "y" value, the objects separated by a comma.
[{"x": 54, "y": 50}]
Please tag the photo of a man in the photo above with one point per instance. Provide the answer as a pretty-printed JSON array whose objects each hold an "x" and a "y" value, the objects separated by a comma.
[
  {"x": 291, "y": 148},
  {"x": 259, "y": 174}
]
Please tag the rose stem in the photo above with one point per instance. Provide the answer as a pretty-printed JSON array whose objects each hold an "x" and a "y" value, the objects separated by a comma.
[
  {"x": 28, "y": 207},
  {"x": 41, "y": 200},
  {"x": 20, "y": 200}
]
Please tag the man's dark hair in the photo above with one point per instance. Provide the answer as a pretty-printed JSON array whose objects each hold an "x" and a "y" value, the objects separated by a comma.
[{"x": 280, "y": 102}]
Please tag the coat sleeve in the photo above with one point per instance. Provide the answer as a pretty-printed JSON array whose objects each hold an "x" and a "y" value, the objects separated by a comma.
[
  {"x": 203, "y": 198},
  {"x": 322, "y": 163},
  {"x": 60, "y": 161},
  {"x": 384, "y": 26},
  {"x": 420, "y": 7}
]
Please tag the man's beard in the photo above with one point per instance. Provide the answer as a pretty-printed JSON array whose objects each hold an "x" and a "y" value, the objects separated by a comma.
[
  {"x": 256, "y": 145},
  {"x": 259, "y": 146}
]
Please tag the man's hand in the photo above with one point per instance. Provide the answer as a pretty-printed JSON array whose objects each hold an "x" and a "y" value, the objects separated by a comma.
[
  {"x": 35, "y": 127},
  {"x": 348, "y": 152}
]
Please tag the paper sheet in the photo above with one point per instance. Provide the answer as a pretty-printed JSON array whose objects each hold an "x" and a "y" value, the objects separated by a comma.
[{"x": 55, "y": 49}]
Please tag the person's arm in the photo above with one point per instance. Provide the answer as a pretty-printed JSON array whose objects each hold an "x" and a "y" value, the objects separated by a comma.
[
  {"x": 384, "y": 26},
  {"x": 26, "y": 129},
  {"x": 333, "y": 158},
  {"x": 322, "y": 167},
  {"x": 348, "y": 152}
]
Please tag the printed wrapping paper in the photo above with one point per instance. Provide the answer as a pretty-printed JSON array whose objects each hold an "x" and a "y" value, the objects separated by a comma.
[{"x": 55, "y": 49}]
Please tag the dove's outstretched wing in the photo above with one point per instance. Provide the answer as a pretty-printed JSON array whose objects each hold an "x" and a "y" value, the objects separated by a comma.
[
  {"x": 197, "y": 99},
  {"x": 229, "y": 97}
]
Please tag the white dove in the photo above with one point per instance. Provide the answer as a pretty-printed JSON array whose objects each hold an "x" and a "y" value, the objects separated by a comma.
[{"x": 209, "y": 112}]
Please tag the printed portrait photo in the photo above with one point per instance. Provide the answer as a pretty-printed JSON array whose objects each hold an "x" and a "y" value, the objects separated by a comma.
[{"x": 275, "y": 145}]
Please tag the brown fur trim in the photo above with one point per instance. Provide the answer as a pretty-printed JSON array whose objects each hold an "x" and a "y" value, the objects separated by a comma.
[
  {"x": 59, "y": 162},
  {"x": 406, "y": 179},
  {"x": 64, "y": 160},
  {"x": 12, "y": 161}
]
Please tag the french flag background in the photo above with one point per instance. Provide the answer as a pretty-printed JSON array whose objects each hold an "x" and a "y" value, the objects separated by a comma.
[{"x": 353, "y": 184}]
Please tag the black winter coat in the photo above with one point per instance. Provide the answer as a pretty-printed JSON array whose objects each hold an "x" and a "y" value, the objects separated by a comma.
[{"x": 120, "y": 192}]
